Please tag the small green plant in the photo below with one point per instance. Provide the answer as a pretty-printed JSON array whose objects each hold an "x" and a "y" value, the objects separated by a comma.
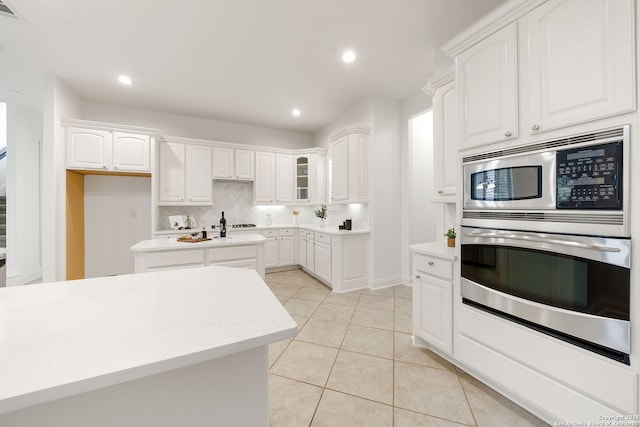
[
  {"x": 451, "y": 233},
  {"x": 321, "y": 212}
]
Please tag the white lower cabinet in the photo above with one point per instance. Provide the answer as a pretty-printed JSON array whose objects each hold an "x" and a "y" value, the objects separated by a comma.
[
  {"x": 432, "y": 301},
  {"x": 279, "y": 248},
  {"x": 322, "y": 258}
]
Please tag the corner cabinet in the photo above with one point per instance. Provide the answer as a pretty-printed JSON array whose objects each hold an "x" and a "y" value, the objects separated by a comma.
[
  {"x": 349, "y": 165},
  {"x": 185, "y": 174},
  {"x": 487, "y": 87},
  {"x": 309, "y": 170},
  {"x": 433, "y": 299},
  {"x": 445, "y": 137},
  {"x": 97, "y": 147}
]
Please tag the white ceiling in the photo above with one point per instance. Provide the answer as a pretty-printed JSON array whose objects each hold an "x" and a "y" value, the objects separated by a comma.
[{"x": 249, "y": 61}]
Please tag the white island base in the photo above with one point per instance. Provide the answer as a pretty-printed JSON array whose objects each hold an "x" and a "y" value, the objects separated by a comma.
[{"x": 168, "y": 348}]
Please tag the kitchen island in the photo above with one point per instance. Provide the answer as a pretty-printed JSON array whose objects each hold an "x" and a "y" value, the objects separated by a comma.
[
  {"x": 244, "y": 251},
  {"x": 176, "y": 347}
]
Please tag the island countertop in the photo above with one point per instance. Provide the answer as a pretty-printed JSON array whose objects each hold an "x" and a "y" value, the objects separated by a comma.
[
  {"x": 66, "y": 338},
  {"x": 173, "y": 244}
]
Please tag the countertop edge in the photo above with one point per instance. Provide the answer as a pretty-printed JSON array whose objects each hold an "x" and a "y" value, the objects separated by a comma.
[{"x": 436, "y": 249}]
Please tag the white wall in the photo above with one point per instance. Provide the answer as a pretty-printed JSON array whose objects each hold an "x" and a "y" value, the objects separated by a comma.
[
  {"x": 194, "y": 127},
  {"x": 117, "y": 215},
  {"x": 24, "y": 126},
  {"x": 59, "y": 102}
]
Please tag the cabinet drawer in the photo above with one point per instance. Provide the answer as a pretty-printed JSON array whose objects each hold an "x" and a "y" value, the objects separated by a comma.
[
  {"x": 270, "y": 233},
  {"x": 287, "y": 232},
  {"x": 303, "y": 233},
  {"x": 323, "y": 238},
  {"x": 231, "y": 253},
  {"x": 310, "y": 234},
  {"x": 434, "y": 266},
  {"x": 183, "y": 258}
]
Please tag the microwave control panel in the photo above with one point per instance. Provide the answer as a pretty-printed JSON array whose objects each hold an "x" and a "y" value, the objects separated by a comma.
[{"x": 590, "y": 177}]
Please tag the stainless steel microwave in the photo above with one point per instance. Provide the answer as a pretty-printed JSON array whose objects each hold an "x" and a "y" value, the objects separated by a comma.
[{"x": 575, "y": 185}]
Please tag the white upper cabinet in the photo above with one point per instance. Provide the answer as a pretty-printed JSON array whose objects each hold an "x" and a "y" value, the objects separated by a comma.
[
  {"x": 349, "y": 157},
  {"x": 131, "y": 152},
  {"x": 229, "y": 163},
  {"x": 198, "y": 174},
  {"x": 556, "y": 64},
  {"x": 106, "y": 150},
  {"x": 245, "y": 165},
  {"x": 185, "y": 174},
  {"x": 581, "y": 63},
  {"x": 445, "y": 137},
  {"x": 88, "y": 148},
  {"x": 265, "y": 183},
  {"x": 309, "y": 171},
  {"x": 284, "y": 178},
  {"x": 486, "y": 79}
]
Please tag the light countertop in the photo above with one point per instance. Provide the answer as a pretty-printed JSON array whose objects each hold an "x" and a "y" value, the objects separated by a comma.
[
  {"x": 436, "y": 249},
  {"x": 164, "y": 244},
  {"x": 61, "y": 339}
]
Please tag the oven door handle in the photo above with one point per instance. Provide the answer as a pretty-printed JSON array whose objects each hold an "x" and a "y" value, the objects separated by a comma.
[{"x": 568, "y": 243}]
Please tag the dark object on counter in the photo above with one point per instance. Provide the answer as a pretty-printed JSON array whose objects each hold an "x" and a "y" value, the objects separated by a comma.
[
  {"x": 341, "y": 227},
  {"x": 223, "y": 226},
  {"x": 204, "y": 233},
  {"x": 347, "y": 225}
]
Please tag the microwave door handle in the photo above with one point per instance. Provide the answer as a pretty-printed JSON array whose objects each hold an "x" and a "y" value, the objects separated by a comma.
[{"x": 568, "y": 243}]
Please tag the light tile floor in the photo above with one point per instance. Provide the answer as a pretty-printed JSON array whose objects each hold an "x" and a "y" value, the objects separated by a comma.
[{"x": 352, "y": 363}]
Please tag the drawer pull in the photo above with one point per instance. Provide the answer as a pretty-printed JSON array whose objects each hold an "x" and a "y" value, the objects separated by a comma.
[
  {"x": 417, "y": 276},
  {"x": 430, "y": 262}
]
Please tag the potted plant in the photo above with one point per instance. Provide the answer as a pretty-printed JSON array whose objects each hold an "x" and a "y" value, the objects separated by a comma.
[
  {"x": 321, "y": 213},
  {"x": 451, "y": 237}
]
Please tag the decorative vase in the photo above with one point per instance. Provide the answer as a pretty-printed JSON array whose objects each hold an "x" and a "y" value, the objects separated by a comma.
[
  {"x": 322, "y": 222},
  {"x": 451, "y": 242}
]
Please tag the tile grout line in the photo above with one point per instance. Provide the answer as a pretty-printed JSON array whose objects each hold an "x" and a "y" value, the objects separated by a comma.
[{"x": 466, "y": 398}]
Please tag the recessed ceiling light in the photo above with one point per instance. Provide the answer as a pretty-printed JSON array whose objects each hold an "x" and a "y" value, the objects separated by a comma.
[
  {"x": 125, "y": 80},
  {"x": 348, "y": 56},
  {"x": 295, "y": 112}
]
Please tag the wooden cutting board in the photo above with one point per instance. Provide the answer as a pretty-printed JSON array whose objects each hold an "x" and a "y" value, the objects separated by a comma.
[{"x": 193, "y": 240}]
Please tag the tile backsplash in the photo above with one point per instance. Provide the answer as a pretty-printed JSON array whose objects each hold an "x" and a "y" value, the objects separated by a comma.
[{"x": 236, "y": 200}]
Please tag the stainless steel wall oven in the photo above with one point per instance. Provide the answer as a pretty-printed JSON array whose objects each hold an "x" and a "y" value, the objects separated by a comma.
[{"x": 545, "y": 239}]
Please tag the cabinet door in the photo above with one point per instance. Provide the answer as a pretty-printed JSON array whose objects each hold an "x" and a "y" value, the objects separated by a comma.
[
  {"x": 358, "y": 168},
  {"x": 302, "y": 252},
  {"x": 445, "y": 140},
  {"x": 172, "y": 172},
  {"x": 223, "y": 163},
  {"x": 199, "y": 185},
  {"x": 340, "y": 170},
  {"x": 486, "y": 79},
  {"x": 271, "y": 252},
  {"x": 286, "y": 250},
  {"x": 323, "y": 261},
  {"x": 433, "y": 311},
  {"x": 311, "y": 257},
  {"x": 302, "y": 171},
  {"x": 264, "y": 187},
  {"x": 130, "y": 152},
  {"x": 245, "y": 165},
  {"x": 88, "y": 148},
  {"x": 583, "y": 68},
  {"x": 284, "y": 178}
]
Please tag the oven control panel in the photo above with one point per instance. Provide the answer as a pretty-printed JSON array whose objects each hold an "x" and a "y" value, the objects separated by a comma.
[{"x": 590, "y": 177}]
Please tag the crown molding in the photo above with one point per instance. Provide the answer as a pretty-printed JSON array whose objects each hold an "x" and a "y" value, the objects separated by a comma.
[
  {"x": 438, "y": 81},
  {"x": 489, "y": 24},
  {"x": 355, "y": 129},
  {"x": 88, "y": 124}
]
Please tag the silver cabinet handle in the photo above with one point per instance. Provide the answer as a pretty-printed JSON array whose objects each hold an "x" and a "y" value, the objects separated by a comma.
[
  {"x": 417, "y": 276},
  {"x": 568, "y": 243},
  {"x": 104, "y": 167},
  {"x": 430, "y": 262},
  {"x": 439, "y": 191},
  {"x": 535, "y": 127},
  {"x": 508, "y": 133}
]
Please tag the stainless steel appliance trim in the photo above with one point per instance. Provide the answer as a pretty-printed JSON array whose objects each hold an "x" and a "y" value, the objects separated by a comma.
[
  {"x": 608, "y": 250},
  {"x": 548, "y": 199},
  {"x": 597, "y": 137},
  {"x": 611, "y": 333}
]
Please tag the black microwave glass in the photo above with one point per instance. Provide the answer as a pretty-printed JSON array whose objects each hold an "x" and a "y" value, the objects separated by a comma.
[{"x": 510, "y": 183}]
